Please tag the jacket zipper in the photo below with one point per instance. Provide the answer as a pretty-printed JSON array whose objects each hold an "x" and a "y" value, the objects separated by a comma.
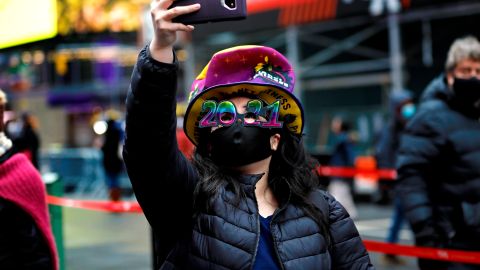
[
  {"x": 275, "y": 242},
  {"x": 274, "y": 238},
  {"x": 258, "y": 236}
]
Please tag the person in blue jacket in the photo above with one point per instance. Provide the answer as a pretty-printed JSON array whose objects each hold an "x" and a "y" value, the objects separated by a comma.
[
  {"x": 249, "y": 197},
  {"x": 111, "y": 159},
  {"x": 343, "y": 155},
  {"x": 402, "y": 109}
]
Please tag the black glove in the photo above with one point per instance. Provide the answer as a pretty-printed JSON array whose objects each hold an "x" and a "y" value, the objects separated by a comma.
[
  {"x": 425, "y": 264},
  {"x": 428, "y": 236},
  {"x": 434, "y": 241}
]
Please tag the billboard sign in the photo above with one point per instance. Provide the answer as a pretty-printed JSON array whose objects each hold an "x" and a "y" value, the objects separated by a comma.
[
  {"x": 25, "y": 21},
  {"x": 97, "y": 16}
]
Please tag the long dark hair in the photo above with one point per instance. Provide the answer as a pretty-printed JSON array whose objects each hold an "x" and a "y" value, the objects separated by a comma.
[{"x": 292, "y": 178}]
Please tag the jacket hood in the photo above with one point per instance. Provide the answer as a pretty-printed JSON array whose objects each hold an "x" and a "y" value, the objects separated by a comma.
[
  {"x": 398, "y": 98},
  {"x": 437, "y": 90}
]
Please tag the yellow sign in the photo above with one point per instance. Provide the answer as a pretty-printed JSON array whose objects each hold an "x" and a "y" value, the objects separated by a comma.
[
  {"x": 97, "y": 16},
  {"x": 25, "y": 21}
]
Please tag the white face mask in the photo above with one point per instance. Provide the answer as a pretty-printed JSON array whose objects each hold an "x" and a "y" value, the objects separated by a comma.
[
  {"x": 5, "y": 143},
  {"x": 14, "y": 128}
]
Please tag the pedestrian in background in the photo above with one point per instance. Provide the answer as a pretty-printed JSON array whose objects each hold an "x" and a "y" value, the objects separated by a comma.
[
  {"x": 24, "y": 134},
  {"x": 26, "y": 240},
  {"x": 402, "y": 109},
  {"x": 249, "y": 199},
  {"x": 112, "y": 160},
  {"x": 439, "y": 159},
  {"x": 343, "y": 155}
]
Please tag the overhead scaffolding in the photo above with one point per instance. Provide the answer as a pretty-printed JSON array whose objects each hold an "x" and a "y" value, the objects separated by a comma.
[
  {"x": 347, "y": 60},
  {"x": 318, "y": 64}
]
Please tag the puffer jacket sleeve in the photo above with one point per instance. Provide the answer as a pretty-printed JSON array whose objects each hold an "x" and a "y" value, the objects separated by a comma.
[
  {"x": 347, "y": 251},
  {"x": 162, "y": 178},
  {"x": 419, "y": 154},
  {"x": 385, "y": 152}
]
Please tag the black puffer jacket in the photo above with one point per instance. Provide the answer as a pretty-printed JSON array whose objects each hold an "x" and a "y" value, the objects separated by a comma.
[
  {"x": 439, "y": 171},
  {"x": 227, "y": 236}
]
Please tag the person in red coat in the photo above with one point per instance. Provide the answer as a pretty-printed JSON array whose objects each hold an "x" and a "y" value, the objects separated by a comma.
[{"x": 26, "y": 240}]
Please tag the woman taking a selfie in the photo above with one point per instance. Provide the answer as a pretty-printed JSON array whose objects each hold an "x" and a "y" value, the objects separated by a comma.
[{"x": 249, "y": 198}]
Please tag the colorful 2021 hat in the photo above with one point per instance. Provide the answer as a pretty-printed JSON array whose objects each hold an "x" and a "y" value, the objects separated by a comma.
[{"x": 245, "y": 70}]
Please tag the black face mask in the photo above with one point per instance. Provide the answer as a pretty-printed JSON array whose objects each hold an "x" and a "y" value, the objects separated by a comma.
[
  {"x": 238, "y": 145},
  {"x": 467, "y": 91}
]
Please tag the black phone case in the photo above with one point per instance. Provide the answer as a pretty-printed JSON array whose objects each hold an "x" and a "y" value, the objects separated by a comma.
[{"x": 211, "y": 11}]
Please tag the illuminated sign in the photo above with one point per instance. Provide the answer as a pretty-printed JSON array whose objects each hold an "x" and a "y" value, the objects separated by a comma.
[
  {"x": 97, "y": 16},
  {"x": 25, "y": 21}
]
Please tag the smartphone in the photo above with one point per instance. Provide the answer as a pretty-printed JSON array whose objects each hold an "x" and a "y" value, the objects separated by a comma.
[{"x": 212, "y": 11}]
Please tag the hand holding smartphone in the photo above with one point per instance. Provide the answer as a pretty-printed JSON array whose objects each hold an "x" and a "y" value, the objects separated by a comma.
[
  {"x": 165, "y": 30},
  {"x": 212, "y": 11}
]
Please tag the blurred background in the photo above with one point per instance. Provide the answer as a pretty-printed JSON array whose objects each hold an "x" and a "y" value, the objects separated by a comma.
[{"x": 67, "y": 63}]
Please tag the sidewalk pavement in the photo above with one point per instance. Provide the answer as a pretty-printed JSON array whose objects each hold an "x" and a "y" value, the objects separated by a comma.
[{"x": 104, "y": 241}]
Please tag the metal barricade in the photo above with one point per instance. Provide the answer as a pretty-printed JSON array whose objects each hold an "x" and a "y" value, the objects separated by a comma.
[{"x": 80, "y": 169}]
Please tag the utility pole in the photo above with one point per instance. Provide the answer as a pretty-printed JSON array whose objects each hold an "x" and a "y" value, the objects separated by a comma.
[
  {"x": 395, "y": 44},
  {"x": 293, "y": 55}
]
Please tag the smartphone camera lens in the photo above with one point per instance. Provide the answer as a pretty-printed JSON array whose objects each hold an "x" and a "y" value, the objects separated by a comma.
[{"x": 231, "y": 4}]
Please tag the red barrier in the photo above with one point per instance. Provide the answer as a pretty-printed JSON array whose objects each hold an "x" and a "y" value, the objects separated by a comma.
[
  {"x": 256, "y": 6},
  {"x": 103, "y": 206},
  {"x": 372, "y": 246},
  {"x": 424, "y": 252},
  {"x": 348, "y": 172}
]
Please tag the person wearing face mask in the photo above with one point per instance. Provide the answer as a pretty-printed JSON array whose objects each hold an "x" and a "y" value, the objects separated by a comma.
[
  {"x": 439, "y": 159},
  {"x": 249, "y": 197},
  {"x": 402, "y": 109}
]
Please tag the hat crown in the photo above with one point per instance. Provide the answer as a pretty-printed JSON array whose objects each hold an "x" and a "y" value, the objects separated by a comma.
[
  {"x": 245, "y": 64},
  {"x": 255, "y": 71}
]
